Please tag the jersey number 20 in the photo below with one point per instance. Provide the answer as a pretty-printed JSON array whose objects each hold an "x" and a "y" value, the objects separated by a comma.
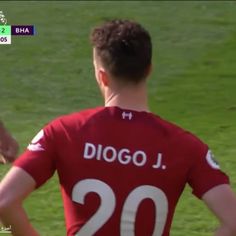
[{"x": 108, "y": 204}]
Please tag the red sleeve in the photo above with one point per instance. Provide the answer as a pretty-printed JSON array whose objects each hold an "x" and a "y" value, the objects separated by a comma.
[
  {"x": 205, "y": 172},
  {"x": 39, "y": 158}
]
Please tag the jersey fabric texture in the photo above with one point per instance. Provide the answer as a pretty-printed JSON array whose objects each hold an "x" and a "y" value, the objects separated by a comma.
[{"x": 121, "y": 171}]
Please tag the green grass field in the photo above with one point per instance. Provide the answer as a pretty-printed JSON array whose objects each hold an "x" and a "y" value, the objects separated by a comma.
[{"x": 193, "y": 83}]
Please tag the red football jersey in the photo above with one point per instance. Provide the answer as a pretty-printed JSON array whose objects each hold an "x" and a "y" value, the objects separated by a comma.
[{"x": 121, "y": 171}]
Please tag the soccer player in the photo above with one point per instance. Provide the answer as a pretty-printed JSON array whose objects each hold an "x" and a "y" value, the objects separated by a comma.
[
  {"x": 121, "y": 168},
  {"x": 8, "y": 145}
]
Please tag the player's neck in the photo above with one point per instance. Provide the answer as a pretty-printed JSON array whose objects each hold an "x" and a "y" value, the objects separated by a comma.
[{"x": 130, "y": 98}]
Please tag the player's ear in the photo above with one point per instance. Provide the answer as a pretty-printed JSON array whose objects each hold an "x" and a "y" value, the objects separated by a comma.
[{"x": 103, "y": 77}]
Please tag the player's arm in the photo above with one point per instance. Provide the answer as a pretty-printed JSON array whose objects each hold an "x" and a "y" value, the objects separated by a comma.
[
  {"x": 14, "y": 188},
  {"x": 8, "y": 145},
  {"x": 222, "y": 202},
  {"x": 211, "y": 185},
  {"x": 31, "y": 170}
]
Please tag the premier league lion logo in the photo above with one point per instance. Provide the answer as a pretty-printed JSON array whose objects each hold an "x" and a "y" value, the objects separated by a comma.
[{"x": 3, "y": 20}]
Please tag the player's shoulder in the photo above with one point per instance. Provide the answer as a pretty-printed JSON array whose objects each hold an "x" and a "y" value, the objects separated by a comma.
[
  {"x": 78, "y": 117},
  {"x": 178, "y": 135},
  {"x": 81, "y": 115},
  {"x": 168, "y": 128}
]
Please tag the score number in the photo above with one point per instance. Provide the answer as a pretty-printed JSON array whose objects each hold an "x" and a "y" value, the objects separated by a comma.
[
  {"x": 130, "y": 208},
  {"x": 5, "y": 34}
]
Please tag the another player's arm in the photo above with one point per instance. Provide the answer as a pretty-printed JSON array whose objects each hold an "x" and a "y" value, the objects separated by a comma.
[
  {"x": 14, "y": 188},
  {"x": 222, "y": 202},
  {"x": 8, "y": 145}
]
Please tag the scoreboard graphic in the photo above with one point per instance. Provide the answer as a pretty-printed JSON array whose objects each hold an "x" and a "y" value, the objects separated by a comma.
[
  {"x": 7, "y": 31},
  {"x": 5, "y": 34}
]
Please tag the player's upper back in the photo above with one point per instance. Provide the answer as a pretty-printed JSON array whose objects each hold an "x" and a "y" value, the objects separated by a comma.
[{"x": 122, "y": 164}]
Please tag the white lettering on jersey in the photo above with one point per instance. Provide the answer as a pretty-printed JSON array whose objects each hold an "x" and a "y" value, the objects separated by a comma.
[
  {"x": 211, "y": 160},
  {"x": 139, "y": 158},
  {"x": 109, "y": 154},
  {"x": 123, "y": 155},
  {"x": 159, "y": 162},
  {"x": 35, "y": 145}
]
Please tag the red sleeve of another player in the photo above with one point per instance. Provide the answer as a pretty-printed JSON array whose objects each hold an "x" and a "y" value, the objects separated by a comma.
[
  {"x": 205, "y": 172},
  {"x": 38, "y": 159}
]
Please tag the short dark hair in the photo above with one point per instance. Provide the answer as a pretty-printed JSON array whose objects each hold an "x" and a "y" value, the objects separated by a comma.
[{"x": 124, "y": 48}]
